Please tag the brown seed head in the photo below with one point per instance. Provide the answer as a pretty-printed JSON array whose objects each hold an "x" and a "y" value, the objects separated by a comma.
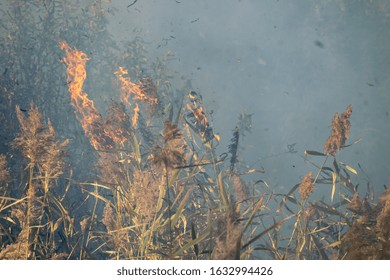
[
  {"x": 340, "y": 132},
  {"x": 172, "y": 153},
  {"x": 306, "y": 187}
]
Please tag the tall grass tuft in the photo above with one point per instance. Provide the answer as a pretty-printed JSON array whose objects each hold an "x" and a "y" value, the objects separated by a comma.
[{"x": 37, "y": 220}]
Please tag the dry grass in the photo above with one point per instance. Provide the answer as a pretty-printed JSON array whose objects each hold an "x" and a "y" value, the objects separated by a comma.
[
  {"x": 4, "y": 174},
  {"x": 369, "y": 235},
  {"x": 44, "y": 154}
]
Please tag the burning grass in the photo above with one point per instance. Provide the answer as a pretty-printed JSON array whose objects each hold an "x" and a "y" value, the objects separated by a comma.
[{"x": 162, "y": 192}]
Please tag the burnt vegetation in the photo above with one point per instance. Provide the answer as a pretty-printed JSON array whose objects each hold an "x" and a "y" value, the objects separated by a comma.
[{"x": 144, "y": 180}]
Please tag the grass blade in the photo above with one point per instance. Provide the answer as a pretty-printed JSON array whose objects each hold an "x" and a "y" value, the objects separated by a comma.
[
  {"x": 334, "y": 178},
  {"x": 266, "y": 230}
]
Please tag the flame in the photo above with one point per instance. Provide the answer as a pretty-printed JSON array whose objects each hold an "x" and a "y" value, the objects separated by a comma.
[
  {"x": 199, "y": 115},
  {"x": 144, "y": 91},
  {"x": 86, "y": 112},
  {"x": 199, "y": 119},
  {"x": 128, "y": 88},
  {"x": 135, "y": 116}
]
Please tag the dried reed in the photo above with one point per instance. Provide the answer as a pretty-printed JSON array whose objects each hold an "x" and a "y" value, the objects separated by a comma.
[
  {"x": 45, "y": 154},
  {"x": 146, "y": 191},
  {"x": 228, "y": 235},
  {"x": 340, "y": 132},
  {"x": 118, "y": 240},
  {"x": 240, "y": 188},
  {"x": 306, "y": 187},
  {"x": 369, "y": 236},
  {"x": 172, "y": 153}
]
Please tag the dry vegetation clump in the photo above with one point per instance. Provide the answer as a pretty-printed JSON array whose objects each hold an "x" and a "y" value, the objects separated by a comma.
[
  {"x": 19, "y": 249},
  {"x": 118, "y": 240},
  {"x": 4, "y": 174},
  {"x": 383, "y": 218},
  {"x": 44, "y": 155},
  {"x": 369, "y": 236},
  {"x": 344, "y": 226}
]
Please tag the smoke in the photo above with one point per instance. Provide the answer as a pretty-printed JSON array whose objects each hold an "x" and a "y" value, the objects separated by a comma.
[{"x": 290, "y": 64}]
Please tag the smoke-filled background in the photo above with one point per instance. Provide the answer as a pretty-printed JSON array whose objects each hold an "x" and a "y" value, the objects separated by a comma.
[
  {"x": 278, "y": 69},
  {"x": 290, "y": 64}
]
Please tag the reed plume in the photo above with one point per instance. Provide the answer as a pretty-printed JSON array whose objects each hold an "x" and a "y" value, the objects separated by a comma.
[
  {"x": 45, "y": 154},
  {"x": 340, "y": 132},
  {"x": 240, "y": 188},
  {"x": 306, "y": 187},
  {"x": 146, "y": 190},
  {"x": 228, "y": 239},
  {"x": 118, "y": 240},
  {"x": 169, "y": 156},
  {"x": 38, "y": 143},
  {"x": 172, "y": 153}
]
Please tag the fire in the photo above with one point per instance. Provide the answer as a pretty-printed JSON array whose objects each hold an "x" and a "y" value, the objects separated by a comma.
[
  {"x": 104, "y": 134},
  {"x": 86, "y": 112},
  {"x": 128, "y": 87},
  {"x": 135, "y": 116},
  {"x": 139, "y": 91},
  {"x": 198, "y": 117},
  {"x": 145, "y": 91}
]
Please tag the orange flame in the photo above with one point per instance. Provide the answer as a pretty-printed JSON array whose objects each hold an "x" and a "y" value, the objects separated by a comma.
[
  {"x": 86, "y": 112},
  {"x": 128, "y": 88},
  {"x": 199, "y": 119},
  {"x": 135, "y": 116}
]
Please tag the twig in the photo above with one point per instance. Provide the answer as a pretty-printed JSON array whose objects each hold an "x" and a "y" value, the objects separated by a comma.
[{"x": 135, "y": 1}]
